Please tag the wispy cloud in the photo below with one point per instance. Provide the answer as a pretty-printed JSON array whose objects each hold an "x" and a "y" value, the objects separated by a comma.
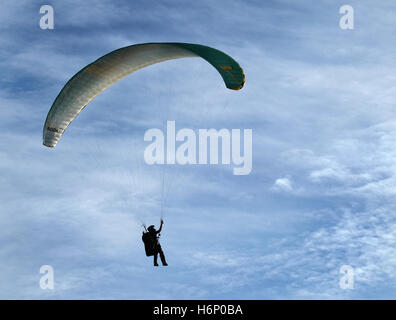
[{"x": 320, "y": 103}]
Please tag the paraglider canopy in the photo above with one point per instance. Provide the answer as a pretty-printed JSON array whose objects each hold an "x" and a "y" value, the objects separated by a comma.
[{"x": 107, "y": 70}]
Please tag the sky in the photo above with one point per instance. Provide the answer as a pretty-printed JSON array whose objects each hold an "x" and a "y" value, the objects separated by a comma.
[{"x": 319, "y": 101}]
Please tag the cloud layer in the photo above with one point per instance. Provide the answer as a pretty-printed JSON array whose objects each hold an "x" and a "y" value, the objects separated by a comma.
[{"x": 319, "y": 100}]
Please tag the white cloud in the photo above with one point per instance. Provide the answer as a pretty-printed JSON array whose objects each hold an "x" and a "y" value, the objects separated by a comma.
[{"x": 283, "y": 184}]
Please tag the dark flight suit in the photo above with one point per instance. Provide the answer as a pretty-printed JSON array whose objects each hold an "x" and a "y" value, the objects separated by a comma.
[{"x": 157, "y": 247}]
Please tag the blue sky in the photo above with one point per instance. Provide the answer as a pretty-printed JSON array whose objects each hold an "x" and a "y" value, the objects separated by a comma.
[{"x": 320, "y": 101}]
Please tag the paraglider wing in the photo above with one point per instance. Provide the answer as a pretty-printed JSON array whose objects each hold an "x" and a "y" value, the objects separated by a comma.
[{"x": 107, "y": 70}]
